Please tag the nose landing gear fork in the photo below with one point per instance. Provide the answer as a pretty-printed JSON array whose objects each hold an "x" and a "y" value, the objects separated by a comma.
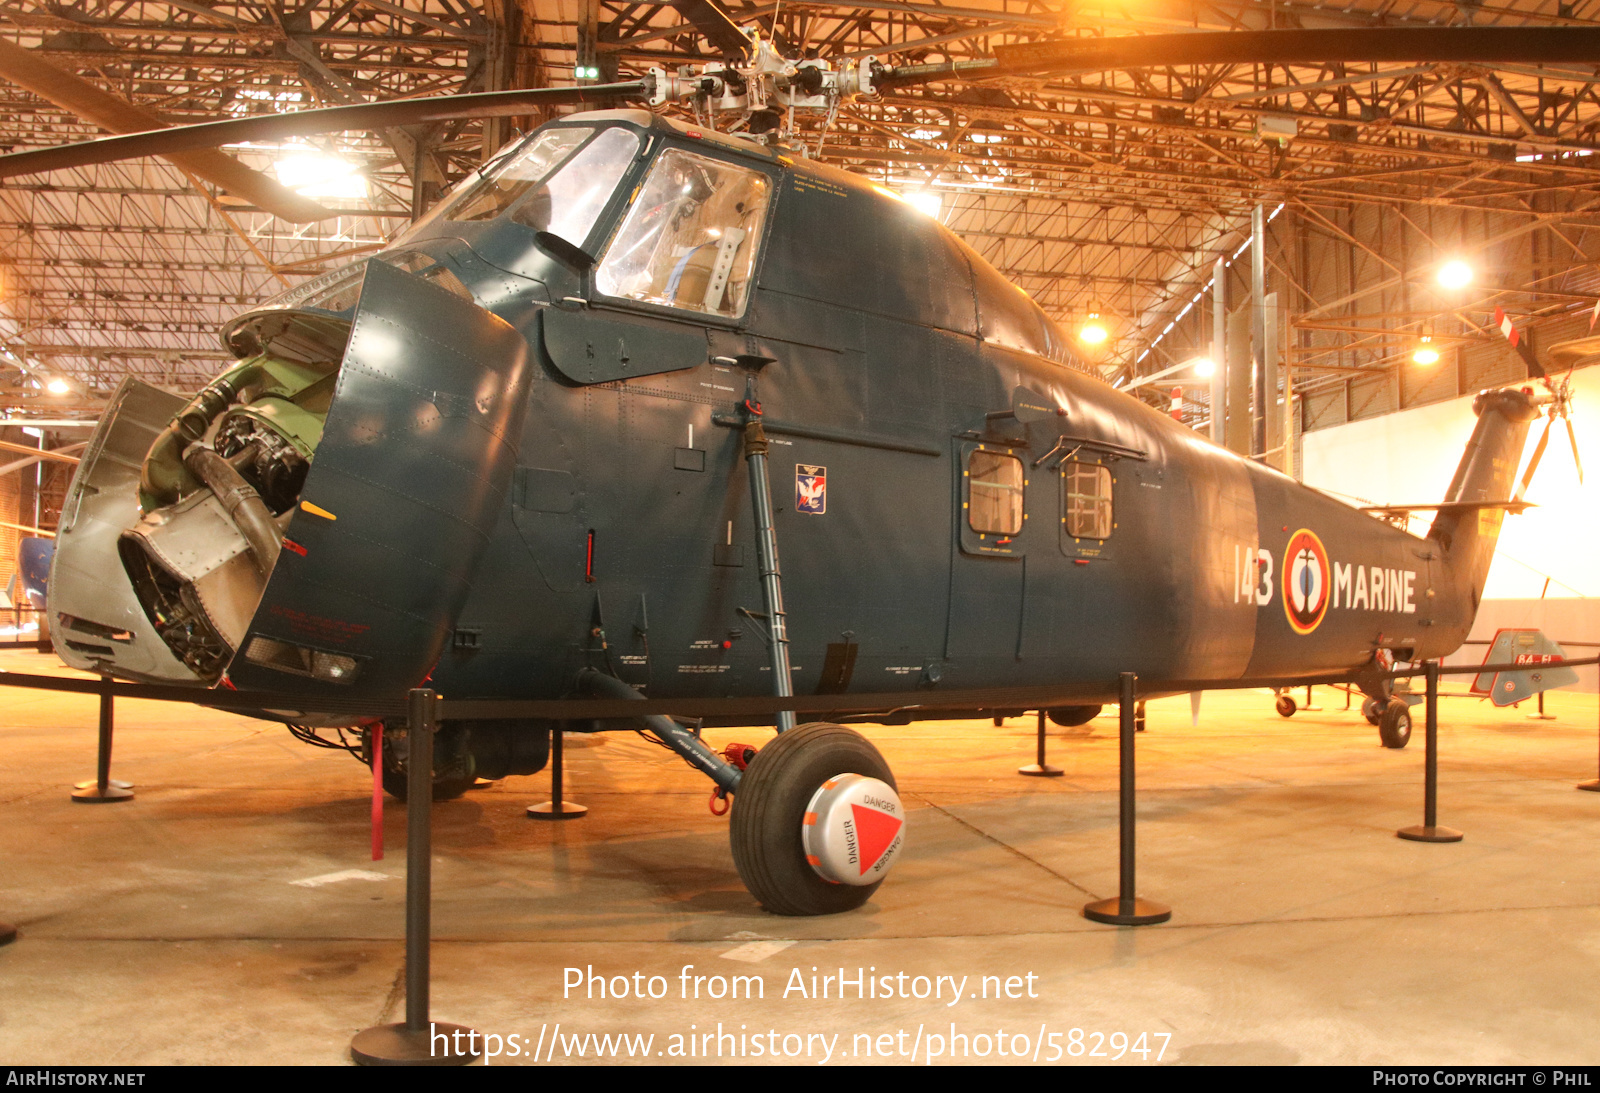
[{"x": 755, "y": 454}]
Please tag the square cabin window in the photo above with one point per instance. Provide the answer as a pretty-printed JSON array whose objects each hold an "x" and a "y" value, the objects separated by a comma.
[
  {"x": 1087, "y": 500},
  {"x": 994, "y": 493},
  {"x": 690, "y": 239}
]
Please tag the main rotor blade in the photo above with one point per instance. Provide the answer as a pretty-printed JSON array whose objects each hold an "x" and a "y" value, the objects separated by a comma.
[
  {"x": 715, "y": 24},
  {"x": 28, "y": 70},
  {"x": 1473, "y": 45},
  {"x": 302, "y": 123},
  {"x": 1519, "y": 342}
]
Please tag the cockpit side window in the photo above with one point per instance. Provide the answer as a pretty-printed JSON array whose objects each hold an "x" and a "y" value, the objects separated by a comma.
[
  {"x": 491, "y": 190},
  {"x": 690, "y": 239},
  {"x": 504, "y": 182},
  {"x": 569, "y": 201}
]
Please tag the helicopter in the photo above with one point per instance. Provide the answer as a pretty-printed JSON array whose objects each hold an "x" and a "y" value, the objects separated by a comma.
[{"x": 552, "y": 440}]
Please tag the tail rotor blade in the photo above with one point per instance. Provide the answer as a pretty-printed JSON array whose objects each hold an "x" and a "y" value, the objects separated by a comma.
[
  {"x": 1533, "y": 464},
  {"x": 1572, "y": 437}
]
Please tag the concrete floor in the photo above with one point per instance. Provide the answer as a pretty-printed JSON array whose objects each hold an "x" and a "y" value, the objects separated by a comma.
[{"x": 169, "y": 929}]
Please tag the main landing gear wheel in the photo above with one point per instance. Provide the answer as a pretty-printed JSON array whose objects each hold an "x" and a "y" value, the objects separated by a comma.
[
  {"x": 1285, "y": 706},
  {"x": 453, "y": 768},
  {"x": 807, "y": 841},
  {"x": 1371, "y": 710},
  {"x": 1394, "y": 725}
]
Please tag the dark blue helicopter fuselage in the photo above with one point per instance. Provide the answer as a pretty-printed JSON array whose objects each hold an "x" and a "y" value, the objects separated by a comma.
[{"x": 520, "y": 476}]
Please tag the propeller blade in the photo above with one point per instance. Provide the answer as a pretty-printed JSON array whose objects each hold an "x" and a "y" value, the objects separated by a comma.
[
  {"x": 1572, "y": 436},
  {"x": 333, "y": 119},
  {"x": 715, "y": 24},
  {"x": 1533, "y": 464},
  {"x": 28, "y": 70}
]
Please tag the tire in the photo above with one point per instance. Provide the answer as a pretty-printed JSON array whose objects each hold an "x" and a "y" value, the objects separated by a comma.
[
  {"x": 444, "y": 789},
  {"x": 1394, "y": 726},
  {"x": 1070, "y": 717},
  {"x": 1371, "y": 711},
  {"x": 769, "y": 809},
  {"x": 1285, "y": 706},
  {"x": 453, "y": 772}
]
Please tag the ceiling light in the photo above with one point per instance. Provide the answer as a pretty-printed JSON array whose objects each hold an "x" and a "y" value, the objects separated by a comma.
[
  {"x": 1425, "y": 352},
  {"x": 926, "y": 201},
  {"x": 1203, "y": 367},
  {"x": 58, "y": 386},
  {"x": 1455, "y": 274},
  {"x": 312, "y": 173},
  {"x": 1094, "y": 331}
]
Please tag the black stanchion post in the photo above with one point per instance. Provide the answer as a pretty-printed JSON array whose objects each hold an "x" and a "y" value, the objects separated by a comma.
[
  {"x": 1127, "y": 909},
  {"x": 557, "y": 807},
  {"x": 418, "y": 1041},
  {"x": 103, "y": 789},
  {"x": 1430, "y": 831},
  {"x": 1308, "y": 707},
  {"x": 1041, "y": 769},
  {"x": 1594, "y": 786}
]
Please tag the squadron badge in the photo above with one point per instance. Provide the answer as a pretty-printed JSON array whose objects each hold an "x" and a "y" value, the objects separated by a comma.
[
  {"x": 810, "y": 489},
  {"x": 1306, "y": 583}
]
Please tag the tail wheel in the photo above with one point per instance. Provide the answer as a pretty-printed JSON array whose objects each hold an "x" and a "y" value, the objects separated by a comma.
[
  {"x": 807, "y": 838},
  {"x": 1394, "y": 724},
  {"x": 1285, "y": 706}
]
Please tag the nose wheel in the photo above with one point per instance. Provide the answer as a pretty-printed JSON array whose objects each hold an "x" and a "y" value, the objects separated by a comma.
[{"x": 817, "y": 823}]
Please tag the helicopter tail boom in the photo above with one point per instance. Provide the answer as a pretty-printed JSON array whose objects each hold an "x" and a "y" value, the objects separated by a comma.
[{"x": 1468, "y": 523}]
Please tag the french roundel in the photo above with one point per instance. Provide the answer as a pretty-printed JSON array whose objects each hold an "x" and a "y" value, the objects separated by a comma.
[{"x": 1306, "y": 581}]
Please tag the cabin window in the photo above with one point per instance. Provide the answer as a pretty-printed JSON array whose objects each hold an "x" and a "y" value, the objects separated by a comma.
[
  {"x": 690, "y": 239},
  {"x": 994, "y": 493},
  {"x": 1087, "y": 500}
]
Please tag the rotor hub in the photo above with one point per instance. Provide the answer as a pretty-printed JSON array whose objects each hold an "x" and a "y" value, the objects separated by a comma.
[{"x": 853, "y": 829}]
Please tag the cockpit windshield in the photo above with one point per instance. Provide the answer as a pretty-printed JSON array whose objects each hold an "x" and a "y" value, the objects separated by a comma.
[{"x": 557, "y": 181}]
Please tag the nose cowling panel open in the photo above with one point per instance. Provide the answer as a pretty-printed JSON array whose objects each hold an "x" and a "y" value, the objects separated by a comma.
[
  {"x": 310, "y": 530},
  {"x": 407, "y": 484}
]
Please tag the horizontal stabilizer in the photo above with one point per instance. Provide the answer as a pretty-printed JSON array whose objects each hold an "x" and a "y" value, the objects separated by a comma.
[{"x": 1448, "y": 506}]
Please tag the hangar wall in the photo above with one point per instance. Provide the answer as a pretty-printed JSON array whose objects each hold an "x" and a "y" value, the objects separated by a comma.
[{"x": 1408, "y": 458}]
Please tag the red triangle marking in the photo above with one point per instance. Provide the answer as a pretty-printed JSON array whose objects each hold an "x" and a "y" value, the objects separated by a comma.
[{"x": 877, "y": 831}]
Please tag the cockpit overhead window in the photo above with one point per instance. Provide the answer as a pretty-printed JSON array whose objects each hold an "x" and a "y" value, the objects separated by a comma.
[{"x": 690, "y": 239}]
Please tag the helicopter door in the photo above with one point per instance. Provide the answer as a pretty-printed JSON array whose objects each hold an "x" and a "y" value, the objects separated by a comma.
[
  {"x": 407, "y": 486},
  {"x": 988, "y": 567}
]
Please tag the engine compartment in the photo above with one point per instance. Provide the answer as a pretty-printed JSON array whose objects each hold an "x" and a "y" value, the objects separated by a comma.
[{"x": 217, "y": 493}]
